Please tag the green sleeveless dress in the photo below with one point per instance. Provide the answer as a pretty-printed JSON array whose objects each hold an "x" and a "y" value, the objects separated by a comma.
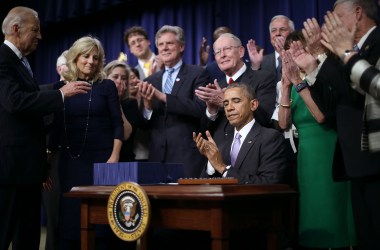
[{"x": 325, "y": 213}]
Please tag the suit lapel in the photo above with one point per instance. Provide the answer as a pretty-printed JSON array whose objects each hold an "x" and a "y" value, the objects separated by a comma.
[
  {"x": 248, "y": 143},
  {"x": 178, "y": 81}
]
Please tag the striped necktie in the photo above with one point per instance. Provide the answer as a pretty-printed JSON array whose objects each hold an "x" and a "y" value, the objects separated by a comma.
[
  {"x": 169, "y": 81},
  {"x": 27, "y": 65}
]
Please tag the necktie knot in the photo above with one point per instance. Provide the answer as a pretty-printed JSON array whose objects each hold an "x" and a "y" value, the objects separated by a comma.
[
  {"x": 356, "y": 48},
  {"x": 230, "y": 80}
]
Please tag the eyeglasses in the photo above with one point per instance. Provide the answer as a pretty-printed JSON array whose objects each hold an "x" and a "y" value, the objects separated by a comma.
[
  {"x": 137, "y": 41},
  {"x": 225, "y": 50}
]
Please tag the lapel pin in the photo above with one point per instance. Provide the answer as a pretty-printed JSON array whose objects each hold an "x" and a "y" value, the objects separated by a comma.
[
  {"x": 249, "y": 141},
  {"x": 177, "y": 80}
]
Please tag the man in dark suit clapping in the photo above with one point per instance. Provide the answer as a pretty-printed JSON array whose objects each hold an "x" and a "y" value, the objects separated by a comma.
[
  {"x": 170, "y": 106},
  {"x": 253, "y": 154}
]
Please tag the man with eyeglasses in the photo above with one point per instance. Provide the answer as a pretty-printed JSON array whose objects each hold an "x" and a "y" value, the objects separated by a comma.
[
  {"x": 279, "y": 28},
  {"x": 229, "y": 55},
  {"x": 138, "y": 42}
]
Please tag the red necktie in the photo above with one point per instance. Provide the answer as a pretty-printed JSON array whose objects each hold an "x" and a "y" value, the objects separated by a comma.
[{"x": 230, "y": 80}]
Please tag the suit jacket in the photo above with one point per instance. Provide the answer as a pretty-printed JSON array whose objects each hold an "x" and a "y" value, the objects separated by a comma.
[
  {"x": 173, "y": 123},
  {"x": 141, "y": 72},
  {"x": 264, "y": 86},
  {"x": 349, "y": 114},
  {"x": 22, "y": 132},
  {"x": 261, "y": 158},
  {"x": 269, "y": 64}
]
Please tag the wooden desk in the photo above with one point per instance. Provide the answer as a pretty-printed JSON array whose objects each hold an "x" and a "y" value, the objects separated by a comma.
[{"x": 214, "y": 208}]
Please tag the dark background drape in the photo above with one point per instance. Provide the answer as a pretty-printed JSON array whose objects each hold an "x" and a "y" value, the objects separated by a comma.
[{"x": 64, "y": 21}]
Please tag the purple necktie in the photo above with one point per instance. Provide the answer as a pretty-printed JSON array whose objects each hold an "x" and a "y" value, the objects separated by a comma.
[{"x": 235, "y": 149}]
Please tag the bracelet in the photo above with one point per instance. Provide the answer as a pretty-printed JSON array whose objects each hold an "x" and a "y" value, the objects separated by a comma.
[{"x": 286, "y": 105}]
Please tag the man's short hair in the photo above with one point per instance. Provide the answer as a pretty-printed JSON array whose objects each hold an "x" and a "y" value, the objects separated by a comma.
[
  {"x": 248, "y": 91},
  {"x": 135, "y": 30}
]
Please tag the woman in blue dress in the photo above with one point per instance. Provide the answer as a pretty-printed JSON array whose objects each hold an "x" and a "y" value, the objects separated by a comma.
[{"x": 88, "y": 130}]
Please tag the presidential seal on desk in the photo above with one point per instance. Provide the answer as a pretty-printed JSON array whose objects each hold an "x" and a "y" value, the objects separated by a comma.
[{"x": 128, "y": 211}]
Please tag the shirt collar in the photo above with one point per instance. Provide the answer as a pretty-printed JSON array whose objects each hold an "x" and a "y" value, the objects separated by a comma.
[
  {"x": 362, "y": 40},
  {"x": 238, "y": 73},
  {"x": 13, "y": 48},
  {"x": 245, "y": 130}
]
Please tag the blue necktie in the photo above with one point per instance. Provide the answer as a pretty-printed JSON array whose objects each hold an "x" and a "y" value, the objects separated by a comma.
[
  {"x": 356, "y": 48},
  {"x": 235, "y": 149},
  {"x": 279, "y": 69},
  {"x": 169, "y": 82},
  {"x": 27, "y": 65}
]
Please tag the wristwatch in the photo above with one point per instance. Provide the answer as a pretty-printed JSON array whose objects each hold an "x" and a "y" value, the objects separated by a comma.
[
  {"x": 300, "y": 86},
  {"x": 347, "y": 52},
  {"x": 321, "y": 58}
]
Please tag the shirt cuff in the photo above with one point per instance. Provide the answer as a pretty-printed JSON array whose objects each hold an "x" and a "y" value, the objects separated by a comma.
[{"x": 210, "y": 116}]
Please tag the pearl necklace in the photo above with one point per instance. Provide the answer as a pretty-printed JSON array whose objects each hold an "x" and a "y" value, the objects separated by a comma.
[{"x": 72, "y": 156}]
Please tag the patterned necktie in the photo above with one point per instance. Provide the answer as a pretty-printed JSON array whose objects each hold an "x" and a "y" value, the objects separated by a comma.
[
  {"x": 27, "y": 65},
  {"x": 235, "y": 149},
  {"x": 169, "y": 82},
  {"x": 147, "y": 69},
  {"x": 279, "y": 69}
]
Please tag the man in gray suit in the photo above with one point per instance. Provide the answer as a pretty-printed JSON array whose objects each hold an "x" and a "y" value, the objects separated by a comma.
[{"x": 259, "y": 155}]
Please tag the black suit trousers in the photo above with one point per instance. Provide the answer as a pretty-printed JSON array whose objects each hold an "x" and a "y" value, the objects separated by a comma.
[{"x": 20, "y": 214}]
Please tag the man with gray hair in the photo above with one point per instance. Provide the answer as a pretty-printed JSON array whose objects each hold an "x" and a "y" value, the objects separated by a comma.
[
  {"x": 229, "y": 55},
  {"x": 279, "y": 28},
  {"x": 22, "y": 131},
  {"x": 171, "y": 108}
]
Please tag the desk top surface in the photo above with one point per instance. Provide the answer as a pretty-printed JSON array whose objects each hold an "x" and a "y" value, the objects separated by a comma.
[{"x": 201, "y": 192}]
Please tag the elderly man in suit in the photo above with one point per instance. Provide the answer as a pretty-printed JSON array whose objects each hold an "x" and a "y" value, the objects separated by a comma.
[
  {"x": 170, "y": 105},
  {"x": 253, "y": 154},
  {"x": 279, "y": 28},
  {"x": 228, "y": 54},
  {"x": 22, "y": 132}
]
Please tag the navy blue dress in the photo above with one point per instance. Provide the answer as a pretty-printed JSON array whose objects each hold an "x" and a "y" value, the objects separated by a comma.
[{"x": 85, "y": 131}]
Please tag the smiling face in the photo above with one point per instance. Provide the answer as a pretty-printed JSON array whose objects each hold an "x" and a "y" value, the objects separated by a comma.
[
  {"x": 238, "y": 108},
  {"x": 228, "y": 55},
  {"x": 169, "y": 49},
  {"x": 87, "y": 64}
]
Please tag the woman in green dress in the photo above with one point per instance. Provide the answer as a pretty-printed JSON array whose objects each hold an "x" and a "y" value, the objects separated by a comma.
[{"x": 325, "y": 213}]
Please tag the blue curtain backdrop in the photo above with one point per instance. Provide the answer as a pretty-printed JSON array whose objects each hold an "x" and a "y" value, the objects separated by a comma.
[{"x": 64, "y": 21}]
